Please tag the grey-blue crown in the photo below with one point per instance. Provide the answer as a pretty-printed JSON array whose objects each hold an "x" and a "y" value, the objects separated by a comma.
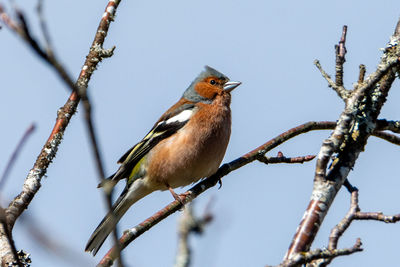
[{"x": 191, "y": 94}]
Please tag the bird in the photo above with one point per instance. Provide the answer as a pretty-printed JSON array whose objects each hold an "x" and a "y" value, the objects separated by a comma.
[{"x": 186, "y": 144}]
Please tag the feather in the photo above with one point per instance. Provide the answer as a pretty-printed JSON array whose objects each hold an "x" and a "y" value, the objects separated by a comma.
[{"x": 164, "y": 128}]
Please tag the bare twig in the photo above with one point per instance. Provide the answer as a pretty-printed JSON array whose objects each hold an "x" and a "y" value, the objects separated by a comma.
[
  {"x": 14, "y": 155},
  {"x": 306, "y": 257},
  {"x": 342, "y": 226},
  {"x": 361, "y": 76},
  {"x": 21, "y": 27},
  {"x": 377, "y": 216},
  {"x": 342, "y": 92},
  {"x": 394, "y": 139},
  {"x": 340, "y": 58},
  {"x": 189, "y": 223},
  {"x": 100, "y": 169},
  {"x": 43, "y": 25},
  {"x": 354, "y": 213},
  {"x": 356, "y": 123},
  {"x": 282, "y": 159},
  {"x": 338, "y": 86},
  {"x": 393, "y": 126}
]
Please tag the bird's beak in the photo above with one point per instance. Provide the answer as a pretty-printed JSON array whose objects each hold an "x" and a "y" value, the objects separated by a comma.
[{"x": 229, "y": 86}]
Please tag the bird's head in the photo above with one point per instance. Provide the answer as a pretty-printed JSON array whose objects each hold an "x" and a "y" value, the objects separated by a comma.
[{"x": 209, "y": 84}]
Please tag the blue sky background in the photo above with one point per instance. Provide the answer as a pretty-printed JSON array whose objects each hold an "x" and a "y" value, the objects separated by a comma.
[{"x": 270, "y": 47}]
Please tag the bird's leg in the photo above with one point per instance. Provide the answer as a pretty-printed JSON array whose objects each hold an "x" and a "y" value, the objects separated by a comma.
[{"x": 175, "y": 195}]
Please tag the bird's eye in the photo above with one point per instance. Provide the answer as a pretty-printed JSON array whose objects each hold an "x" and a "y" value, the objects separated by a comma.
[{"x": 213, "y": 82}]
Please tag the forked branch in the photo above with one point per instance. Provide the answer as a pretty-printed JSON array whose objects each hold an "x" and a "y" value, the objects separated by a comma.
[{"x": 356, "y": 123}]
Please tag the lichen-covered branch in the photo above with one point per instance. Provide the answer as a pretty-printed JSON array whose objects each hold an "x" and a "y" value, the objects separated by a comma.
[
  {"x": 64, "y": 114},
  {"x": 356, "y": 123},
  {"x": 299, "y": 259},
  {"x": 7, "y": 249},
  {"x": 96, "y": 54}
]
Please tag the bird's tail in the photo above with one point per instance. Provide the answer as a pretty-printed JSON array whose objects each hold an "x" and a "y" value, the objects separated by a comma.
[{"x": 128, "y": 197}]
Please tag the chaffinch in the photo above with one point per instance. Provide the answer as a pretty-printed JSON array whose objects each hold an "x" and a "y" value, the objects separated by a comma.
[{"x": 186, "y": 144}]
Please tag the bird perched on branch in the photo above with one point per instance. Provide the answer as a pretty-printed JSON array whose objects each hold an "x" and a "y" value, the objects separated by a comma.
[{"x": 186, "y": 144}]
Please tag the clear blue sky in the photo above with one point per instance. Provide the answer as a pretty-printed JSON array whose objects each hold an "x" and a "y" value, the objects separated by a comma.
[{"x": 161, "y": 46}]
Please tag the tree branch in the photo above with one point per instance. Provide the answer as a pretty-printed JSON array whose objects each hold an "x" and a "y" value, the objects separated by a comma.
[
  {"x": 225, "y": 169},
  {"x": 8, "y": 251},
  {"x": 342, "y": 92},
  {"x": 96, "y": 54},
  {"x": 393, "y": 126},
  {"x": 361, "y": 75},
  {"x": 280, "y": 158},
  {"x": 135, "y": 232},
  {"x": 189, "y": 223},
  {"x": 299, "y": 259},
  {"x": 340, "y": 60},
  {"x": 340, "y": 57},
  {"x": 394, "y": 139},
  {"x": 14, "y": 155},
  {"x": 354, "y": 213},
  {"x": 32, "y": 182},
  {"x": 355, "y": 125}
]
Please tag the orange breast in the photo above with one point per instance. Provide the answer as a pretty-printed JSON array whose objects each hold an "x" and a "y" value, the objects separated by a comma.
[{"x": 195, "y": 151}]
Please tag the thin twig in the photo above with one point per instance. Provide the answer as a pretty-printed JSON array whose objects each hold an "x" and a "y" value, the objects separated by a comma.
[
  {"x": 189, "y": 223},
  {"x": 282, "y": 159},
  {"x": 340, "y": 57},
  {"x": 306, "y": 257},
  {"x": 361, "y": 75},
  {"x": 353, "y": 214},
  {"x": 393, "y": 126},
  {"x": 377, "y": 216},
  {"x": 99, "y": 166},
  {"x": 24, "y": 32},
  {"x": 44, "y": 28},
  {"x": 397, "y": 29},
  {"x": 342, "y": 92},
  {"x": 14, "y": 155},
  {"x": 342, "y": 226},
  {"x": 392, "y": 138}
]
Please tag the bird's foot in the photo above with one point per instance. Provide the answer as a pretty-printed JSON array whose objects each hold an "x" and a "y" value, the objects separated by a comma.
[{"x": 178, "y": 197}]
